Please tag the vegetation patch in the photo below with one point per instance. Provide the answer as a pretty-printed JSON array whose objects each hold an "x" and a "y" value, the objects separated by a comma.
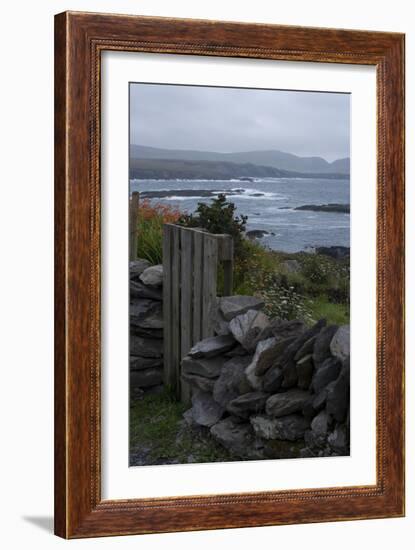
[{"x": 159, "y": 435}]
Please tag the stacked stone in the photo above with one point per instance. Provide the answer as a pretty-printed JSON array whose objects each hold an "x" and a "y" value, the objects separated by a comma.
[
  {"x": 269, "y": 388},
  {"x": 146, "y": 327}
]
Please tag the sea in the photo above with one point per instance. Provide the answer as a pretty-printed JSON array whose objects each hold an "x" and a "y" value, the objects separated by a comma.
[{"x": 270, "y": 206}]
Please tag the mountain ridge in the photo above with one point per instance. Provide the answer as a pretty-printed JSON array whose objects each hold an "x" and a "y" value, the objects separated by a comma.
[{"x": 274, "y": 158}]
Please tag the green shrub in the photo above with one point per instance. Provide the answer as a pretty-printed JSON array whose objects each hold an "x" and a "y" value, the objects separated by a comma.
[{"x": 218, "y": 217}]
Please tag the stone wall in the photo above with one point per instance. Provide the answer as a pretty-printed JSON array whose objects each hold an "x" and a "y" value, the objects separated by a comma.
[
  {"x": 271, "y": 389},
  {"x": 146, "y": 327}
]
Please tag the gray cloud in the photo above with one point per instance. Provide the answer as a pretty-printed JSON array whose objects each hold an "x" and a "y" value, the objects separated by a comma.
[{"x": 235, "y": 119}]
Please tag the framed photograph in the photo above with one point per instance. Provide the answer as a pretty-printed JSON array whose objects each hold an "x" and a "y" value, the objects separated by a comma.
[{"x": 229, "y": 276}]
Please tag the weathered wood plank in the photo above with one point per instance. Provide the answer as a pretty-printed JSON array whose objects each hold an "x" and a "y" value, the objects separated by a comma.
[
  {"x": 186, "y": 299},
  {"x": 169, "y": 369},
  {"x": 175, "y": 315},
  {"x": 226, "y": 256},
  {"x": 210, "y": 262},
  {"x": 134, "y": 204},
  {"x": 198, "y": 238}
]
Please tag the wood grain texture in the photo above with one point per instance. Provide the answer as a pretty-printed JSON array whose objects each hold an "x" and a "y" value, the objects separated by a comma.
[{"x": 79, "y": 39}]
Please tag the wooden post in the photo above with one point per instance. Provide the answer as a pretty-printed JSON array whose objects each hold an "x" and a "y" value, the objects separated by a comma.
[{"x": 134, "y": 203}]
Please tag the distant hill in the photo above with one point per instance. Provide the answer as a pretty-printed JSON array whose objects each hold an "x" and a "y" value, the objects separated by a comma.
[
  {"x": 276, "y": 159},
  {"x": 154, "y": 168}
]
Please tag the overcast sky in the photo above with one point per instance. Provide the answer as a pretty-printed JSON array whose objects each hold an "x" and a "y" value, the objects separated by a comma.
[{"x": 234, "y": 120}]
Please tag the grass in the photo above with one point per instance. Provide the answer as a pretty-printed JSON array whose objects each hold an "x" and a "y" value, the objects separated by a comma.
[
  {"x": 158, "y": 435},
  {"x": 151, "y": 218},
  {"x": 318, "y": 288}
]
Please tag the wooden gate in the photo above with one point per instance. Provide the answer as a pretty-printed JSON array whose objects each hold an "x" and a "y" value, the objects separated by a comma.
[{"x": 190, "y": 268}]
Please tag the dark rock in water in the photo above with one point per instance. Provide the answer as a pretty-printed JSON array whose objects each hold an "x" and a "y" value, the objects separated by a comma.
[
  {"x": 336, "y": 252},
  {"x": 338, "y": 395},
  {"x": 256, "y": 233},
  {"x": 238, "y": 438},
  {"x": 145, "y": 347},
  {"x": 333, "y": 207},
  {"x": 200, "y": 382},
  {"x": 289, "y": 402},
  {"x": 248, "y": 403},
  {"x": 245, "y": 178},
  {"x": 232, "y": 306},
  {"x": 246, "y": 328},
  {"x": 340, "y": 344},
  {"x": 272, "y": 380},
  {"x": 322, "y": 345},
  {"x": 210, "y": 347},
  {"x": 275, "y": 448},
  {"x": 232, "y": 381},
  {"x": 146, "y": 377},
  {"x": 271, "y": 352},
  {"x": 291, "y": 427},
  {"x": 152, "y": 276},
  {"x": 140, "y": 290},
  {"x": 305, "y": 369},
  {"x": 328, "y": 372},
  {"x": 140, "y": 363},
  {"x": 137, "y": 267},
  {"x": 209, "y": 368},
  {"x": 205, "y": 410}
]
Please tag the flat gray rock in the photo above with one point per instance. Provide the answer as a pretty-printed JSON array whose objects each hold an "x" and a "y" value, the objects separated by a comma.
[
  {"x": 305, "y": 369},
  {"x": 146, "y": 314},
  {"x": 285, "y": 403},
  {"x": 137, "y": 267},
  {"x": 210, "y": 347},
  {"x": 291, "y": 427},
  {"x": 199, "y": 382},
  {"x": 140, "y": 363},
  {"x": 271, "y": 353},
  {"x": 232, "y": 306},
  {"x": 251, "y": 370},
  {"x": 246, "y": 404},
  {"x": 232, "y": 381},
  {"x": 272, "y": 379},
  {"x": 238, "y": 438},
  {"x": 338, "y": 395},
  {"x": 328, "y": 371},
  {"x": 145, "y": 347},
  {"x": 321, "y": 349},
  {"x": 209, "y": 368},
  {"x": 152, "y": 276},
  {"x": 340, "y": 344},
  {"x": 247, "y": 327},
  {"x": 205, "y": 410},
  {"x": 146, "y": 377},
  {"x": 140, "y": 290},
  {"x": 264, "y": 426}
]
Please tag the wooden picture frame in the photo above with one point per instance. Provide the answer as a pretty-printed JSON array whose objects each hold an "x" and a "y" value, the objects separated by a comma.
[{"x": 79, "y": 40}]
